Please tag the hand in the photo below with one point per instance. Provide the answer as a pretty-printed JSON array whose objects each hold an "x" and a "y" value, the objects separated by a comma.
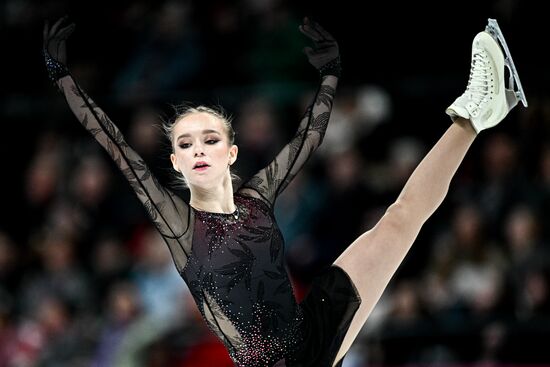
[
  {"x": 324, "y": 55},
  {"x": 55, "y": 53},
  {"x": 54, "y": 40}
]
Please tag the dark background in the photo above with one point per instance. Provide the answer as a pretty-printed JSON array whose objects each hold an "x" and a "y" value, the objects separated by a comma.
[{"x": 418, "y": 51}]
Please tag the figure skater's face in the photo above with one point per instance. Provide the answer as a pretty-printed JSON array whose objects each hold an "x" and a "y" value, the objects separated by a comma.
[{"x": 202, "y": 151}]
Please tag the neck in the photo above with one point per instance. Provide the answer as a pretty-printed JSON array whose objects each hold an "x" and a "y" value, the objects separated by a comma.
[{"x": 218, "y": 199}]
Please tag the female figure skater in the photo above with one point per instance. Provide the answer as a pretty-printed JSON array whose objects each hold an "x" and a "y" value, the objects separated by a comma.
[{"x": 227, "y": 246}]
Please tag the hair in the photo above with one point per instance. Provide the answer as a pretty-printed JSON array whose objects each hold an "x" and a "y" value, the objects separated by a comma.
[{"x": 184, "y": 110}]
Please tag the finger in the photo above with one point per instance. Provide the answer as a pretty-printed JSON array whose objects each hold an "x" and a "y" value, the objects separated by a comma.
[
  {"x": 311, "y": 23},
  {"x": 56, "y": 25},
  {"x": 308, "y": 51},
  {"x": 46, "y": 28},
  {"x": 325, "y": 44},
  {"x": 308, "y": 19},
  {"x": 311, "y": 53},
  {"x": 310, "y": 32},
  {"x": 322, "y": 51},
  {"x": 70, "y": 26},
  {"x": 309, "y": 27},
  {"x": 64, "y": 33},
  {"x": 321, "y": 31}
]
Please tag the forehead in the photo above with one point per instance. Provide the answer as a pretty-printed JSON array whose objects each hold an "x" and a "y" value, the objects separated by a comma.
[{"x": 195, "y": 123}]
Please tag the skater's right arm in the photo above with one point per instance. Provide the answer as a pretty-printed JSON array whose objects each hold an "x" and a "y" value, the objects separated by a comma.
[{"x": 169, "y": 213}]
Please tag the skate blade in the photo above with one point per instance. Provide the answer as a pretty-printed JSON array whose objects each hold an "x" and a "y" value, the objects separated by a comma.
[{"x": 494, "y": 30}]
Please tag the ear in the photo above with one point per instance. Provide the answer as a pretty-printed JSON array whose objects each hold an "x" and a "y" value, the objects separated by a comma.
[
  {"x": 233, "y": 152},
  {"x": 174, "y": 162}
]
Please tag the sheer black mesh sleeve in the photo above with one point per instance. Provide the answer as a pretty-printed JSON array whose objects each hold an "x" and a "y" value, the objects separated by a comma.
[
  {"x": 169, "y": 213},
  {"x": 269, "y": 182}
]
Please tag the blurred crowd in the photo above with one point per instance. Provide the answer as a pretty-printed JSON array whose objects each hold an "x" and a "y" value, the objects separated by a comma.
[{"x": 85, "y": 280}]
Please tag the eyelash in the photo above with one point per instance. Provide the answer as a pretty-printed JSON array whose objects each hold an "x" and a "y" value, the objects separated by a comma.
[{"x": 209, "y": 142}]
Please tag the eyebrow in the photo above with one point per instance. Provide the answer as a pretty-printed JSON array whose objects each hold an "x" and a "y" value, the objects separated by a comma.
[{"x": 204, "y": 132}]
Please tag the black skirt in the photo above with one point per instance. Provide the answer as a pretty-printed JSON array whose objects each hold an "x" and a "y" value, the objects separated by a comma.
[{"x": 328, "y": 310}]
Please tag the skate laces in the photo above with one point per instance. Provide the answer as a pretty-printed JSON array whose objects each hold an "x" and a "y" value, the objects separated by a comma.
[{"x": 478, "y": 84}]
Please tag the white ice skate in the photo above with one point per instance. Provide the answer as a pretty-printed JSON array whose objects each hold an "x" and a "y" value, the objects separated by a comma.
[{"x": 487, "y": 100}]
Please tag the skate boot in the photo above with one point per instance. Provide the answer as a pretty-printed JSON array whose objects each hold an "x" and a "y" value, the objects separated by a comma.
[{"x": 486, "y": 100}]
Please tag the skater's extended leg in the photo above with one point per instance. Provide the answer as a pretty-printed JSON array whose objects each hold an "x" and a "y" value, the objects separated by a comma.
[{"x": 373, "y": 258}]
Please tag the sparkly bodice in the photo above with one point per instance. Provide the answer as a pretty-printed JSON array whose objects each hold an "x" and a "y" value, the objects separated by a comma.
[
  {"x": 233, "y": 266},
  {"x": 237, "y": 276}
]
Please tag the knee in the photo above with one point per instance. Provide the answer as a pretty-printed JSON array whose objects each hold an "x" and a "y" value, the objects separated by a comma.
[
  {"x": 401, "y": 214},
  {"x": 398, "y": 211}
]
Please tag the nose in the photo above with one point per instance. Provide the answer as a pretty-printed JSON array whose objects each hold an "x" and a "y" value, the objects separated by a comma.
[{"x": 199, "y": 151}]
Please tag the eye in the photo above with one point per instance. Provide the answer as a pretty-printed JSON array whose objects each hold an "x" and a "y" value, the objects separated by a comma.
[
  {"x": 184, "y": 145},
  {"x": 212, "y": 141}
]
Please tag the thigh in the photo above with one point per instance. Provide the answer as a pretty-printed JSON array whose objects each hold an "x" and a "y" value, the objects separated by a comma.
[
  {"x": 372, "y": 259},
  {"x": 328, "y": 310}
]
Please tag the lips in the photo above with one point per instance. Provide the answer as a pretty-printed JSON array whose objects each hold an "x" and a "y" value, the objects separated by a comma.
[{"x": 201, "y": 166}]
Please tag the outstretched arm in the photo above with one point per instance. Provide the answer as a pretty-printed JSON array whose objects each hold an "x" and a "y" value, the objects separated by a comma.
[
  {"x": 269, "y": 182},
  {"x": 168, "y": 212}
]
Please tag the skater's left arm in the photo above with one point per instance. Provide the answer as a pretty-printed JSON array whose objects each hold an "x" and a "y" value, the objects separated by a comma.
[{"x": 324, "y": 56}]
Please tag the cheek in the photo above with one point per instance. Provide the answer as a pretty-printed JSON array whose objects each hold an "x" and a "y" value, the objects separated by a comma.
[
  {"x": 184, "y": 160},
  {"x": 220, "y": 152}
]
